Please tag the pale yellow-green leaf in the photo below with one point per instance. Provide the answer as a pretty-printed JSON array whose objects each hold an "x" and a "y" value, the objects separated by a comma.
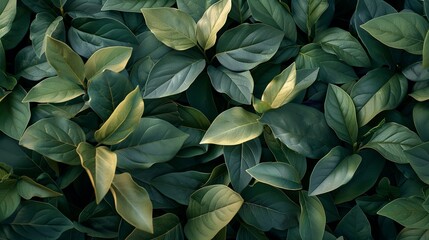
[
  {"x": 54, "y": 90},
  {"x": 100, "y": 165},
  {"x": 278, "y": 91},
  {"x": 110, "y": 58}
]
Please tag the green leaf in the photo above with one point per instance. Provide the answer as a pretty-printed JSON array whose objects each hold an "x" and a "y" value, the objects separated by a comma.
[
  {"x": 265, "y": 213},
  {"x": 416, "y": 72},
  {"x": 7, "y": 15},
  {"x": 413, "y": 234},
  {"x": 307, "y": 13},
  {"x": 15, "y": 114},
  {"x": 246, "y": 232},
  {"x": 312, "y": 219},
  {"x": 421, "y": 95},
  {"x": 247, "y": 45},
  {"x": 340, "y": 114},
  {"x": 65, "y": 61},
  {"x": 275, "y": 14},
  {"x": 166, "y": 79},
  {"x": 37, "y": 220},
  {"x": 172, "y": 27},
  {"x": 237, "y": 85},
  {"x": 180, "y": 185},
  {"x": 210, "y": 209},
  {"x": 133, "y": 5},
  {"x": 276, "y": 174},
  {"x": 426, "y": 51},
  {"x": 9, "y": 197},
  {"x": 380, "y": 89},
  {"x": 391, "y": 140},
  {"x": 29, "y": 66},
  {"x": 132, "y": 202},
  {"x": 238, "y": 159},
  {"x": 211, "y": 22},
  {"x": 195, "y": 9},
  {"x": 54, "y": 90},
  {"x": 279, "y": 91},
  {"x": 153, "y": 141},
  {"x": 302, "y": 129},
  {"x": 56, "y": 138},
  {"x": 123, "y": 121},
  {"x": 18, "y": 29},
  {"x": 333, "y": 170},
  {"x": 420, "y": 119},
  {"x": 166, "y": 227},
  {"x": 418, "y": 158},
  {"x": 354, "y": 225},
  {"x": 232, "y": 127},
  {"x": 110, "y": 58},
  {"x": 46, "y": 25},
  {"x": 404, "y": 30},
  {"x": 342, "y": 44},
  {"x": 408, "y": 212},
  {"x": 27, "y": 188},
  {"x": 100, "y": 165},
  {"x": 106, "y": 91}
]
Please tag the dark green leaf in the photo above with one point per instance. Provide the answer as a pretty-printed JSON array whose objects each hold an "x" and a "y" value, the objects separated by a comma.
[
  {"x": 425, "y": 50},
  {"x": 354, "y": 225},
  {"x": 166, "y": 227},
  {"x": 27, "y": 188},
  {"x": 54, "y": 90},
  {"x": 44, "y": 25},
  {"x": 420, "y": 119},
  {"x": 7, "y": 14},
  {"x": 134, "y": 6},
  {"x": 9, "y": 197},
  {"x": 277, "y": 174},
  {"x": 246, "y": 232},
  {"x": 247, "y": 45},
  {"x": 416, "y": 72},
  {"x": 307, "y": 13},
  {"x": 29, "y": 66},
  {"x": 413, "y": 234},
  {"x": 240, "y": 11},
  {"x": 312, "y": 219},
  {"x": 18, "y": 29},
  {"x": 195, "y": 9},
  {"x": 407, "y": 211},
  {"x": 418, "y": 158}
]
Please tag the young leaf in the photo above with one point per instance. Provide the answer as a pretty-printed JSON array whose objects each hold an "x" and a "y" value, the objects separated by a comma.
[
  {"x": 100, "y": 165},
  {"x": 165, "y": 227},
  {"x": 132, "y": 202},
  {"x": 278, "y": 91},
  {"x": 408, "y": 212},
  {"x": 354, "y": 225},
  {"x": 54, "y": 90},
  {"x": 391, "y": 140},
  {"x": 302, "y": 129},
  {"x": 9, "y": 197},
  {"x": 110, "y": 58},
  {"x": 7, "y": 14},
  {"x": 418, "y": 158},
  {"x": 333, "y": 170},
  {"x": 211, "y": 22},
  {"x": 232, "y": 127},
  {"x": 210, "y": 209},
  {"x": 44, "y": 25},
  {"x": 134, "y": 6},
  {"x": 380, "y": 89},
  {"x": 404, "y": 30},
  {"x": 27, "y": 188},
  {"x": 123, "y": 121},
  {"x": 15, "y": 114},
  {"x": 173, "y": 27},
  {"x": 342, "y": 44},
  {"x": 340, "y": 114},
  {"x": 274, "y": 13},
  {"x": 277, "y": 174},
  {"x": 247, "y": 45},
  {"x": 312, "y": 219},
  {"x": 265, "y": 213},
  {"x": 237, "y": 85},
  {"x": 166, "y": 79},
  {"x": 56, "y": 138},
  {"x": 238, "y": 159},
  {"x": 65, "y": 61},
  {"x": 307, "y": 13}
]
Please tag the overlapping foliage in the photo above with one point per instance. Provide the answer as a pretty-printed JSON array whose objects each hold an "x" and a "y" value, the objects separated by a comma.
[{"x": 224, "y": 119}]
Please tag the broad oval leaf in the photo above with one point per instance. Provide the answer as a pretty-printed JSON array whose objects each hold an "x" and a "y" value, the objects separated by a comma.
[
  {"x": 413, "y": 234},
  {"x": 418, "y": 157},
  {"x": 15, "y": 114},
  {"x": 277, "y": 211},
  {"x": 123, "y": 121},
  {"x": 302, "y": 129},
  {"x": 65, "y": 61},
  {"x": 408, "y": 212},
  {"x": 307, "y": 13},
  {"x": 100, "y": 165},
  {"x": 391, "y": 140},
  {"x": 354, "y": 225},
  {"x": 109, "y": 58},
  {"x": 7, "y": 15},
  {"x": 404, "y": 30},
  {"x": 133, "y": 5},
  {"x": 132, "y": 202},
  {"x": 277, "y": 174},
  {"x": 29, "y": 66},
  {"x": 54, "y": 90},
  {"x": 166, "y": 227},
  {"x": 247, "y": 45},
  {"x": 153, "y": 141},
  {"x": 312, "y": 219},
  {"x": 166, "y": 79},
  {"x": 38, "y": 220},
  {"x": 210, "y": 209},
  {"x": 340, "y": 114},
  {"x": 28, "y": 188},
  {"x": 416, "y": 72},
  {"x": 380, "y": 89},
  {"x": 233, "y": 126},
  {"x": 333, "y": 170},
  {"x": 56, "y": 138},
  {"x": 237, "y": 85},
  {"x": 171, "y": 26},
  {"x": 211, "y": 22},
  {"x": 44, "y": 25},
  {"x": 9, "y": 197}
]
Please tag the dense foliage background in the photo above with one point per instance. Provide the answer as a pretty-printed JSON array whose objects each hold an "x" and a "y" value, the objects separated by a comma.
[{"x": 230, "y": 119}]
